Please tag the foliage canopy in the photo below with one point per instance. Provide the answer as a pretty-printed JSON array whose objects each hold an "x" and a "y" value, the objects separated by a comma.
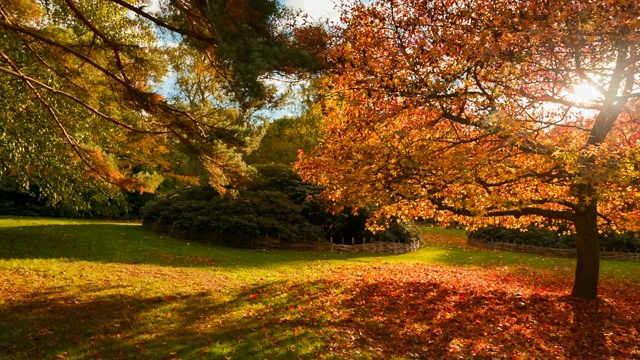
[{"x": 80, "y": 84}]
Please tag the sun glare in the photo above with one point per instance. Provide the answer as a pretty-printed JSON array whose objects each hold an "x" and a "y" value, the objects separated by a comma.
[
  {"x": 585, "y": 94},
  {"x": 583, "y": 98}
]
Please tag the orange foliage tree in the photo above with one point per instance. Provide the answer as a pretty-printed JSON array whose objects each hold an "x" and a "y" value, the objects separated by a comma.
[{"x": 487, "y": 112}]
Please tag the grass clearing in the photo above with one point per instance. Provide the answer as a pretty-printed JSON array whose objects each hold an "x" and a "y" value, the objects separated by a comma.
[{"x": 85, "y": 289}]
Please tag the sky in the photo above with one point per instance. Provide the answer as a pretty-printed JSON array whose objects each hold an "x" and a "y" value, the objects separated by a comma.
[{"x": 315, "y": 8}]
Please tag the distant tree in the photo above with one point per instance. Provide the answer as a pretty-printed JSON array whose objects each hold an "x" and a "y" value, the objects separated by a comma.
[
  {"x": 285, "y": 137},
  {"x": 488, "y": 112}
]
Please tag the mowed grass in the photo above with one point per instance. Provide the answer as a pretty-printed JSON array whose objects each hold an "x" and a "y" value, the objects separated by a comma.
[{"x": 101, "y": 290}]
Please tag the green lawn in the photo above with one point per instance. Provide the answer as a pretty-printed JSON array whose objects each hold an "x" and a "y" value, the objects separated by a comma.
[{"x": 79, "y": 289}]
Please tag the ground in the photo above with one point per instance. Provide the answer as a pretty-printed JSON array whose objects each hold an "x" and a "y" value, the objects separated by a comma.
[{"x": 85, "y": 289}]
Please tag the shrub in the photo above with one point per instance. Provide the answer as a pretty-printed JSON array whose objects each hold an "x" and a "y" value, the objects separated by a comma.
[
  {"x": 250, "y": 214},
  {"x": 561, "y": 238},
  {"x": 277, "y": 204}
]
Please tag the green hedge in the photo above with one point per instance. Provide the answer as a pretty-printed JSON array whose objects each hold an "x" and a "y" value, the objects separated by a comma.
[
  {"x": 276, "y": 204},
  {"x": 250, "y": 214},
  {"x": 562, "y": 238}
]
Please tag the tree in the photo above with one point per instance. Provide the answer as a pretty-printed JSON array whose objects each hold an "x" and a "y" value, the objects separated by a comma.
[
  {"x": 54, "y": 106},
  {"x": 488, "y": 112},
  {"x": 285, "y": 137},
  {"x": 80, "y": 89}
]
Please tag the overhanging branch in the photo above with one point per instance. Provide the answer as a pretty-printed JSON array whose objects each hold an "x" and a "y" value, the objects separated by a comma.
[
  {"x": 551, "y": 214},
  {"x": 192, "y": 34},
  {"x": 78, "y": 101},
  {"x": 527, "y": 146}
]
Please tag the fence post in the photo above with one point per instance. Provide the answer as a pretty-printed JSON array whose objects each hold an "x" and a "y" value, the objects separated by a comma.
[{"x": 353, "y": 241}]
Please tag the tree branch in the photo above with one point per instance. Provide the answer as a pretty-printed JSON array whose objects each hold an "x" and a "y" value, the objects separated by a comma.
[
  {"x": 192, "y": 34},
  {"x": 78, "y": 101},
  {"x": 552, "y": 214},
  {"x": 46, "y": 40},
  {"x": 101, "y": 35},
  {"x": 70, "y": 140}
]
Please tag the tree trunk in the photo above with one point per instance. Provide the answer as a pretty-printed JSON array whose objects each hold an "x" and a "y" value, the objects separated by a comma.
[{"x": 588, "y": 264}]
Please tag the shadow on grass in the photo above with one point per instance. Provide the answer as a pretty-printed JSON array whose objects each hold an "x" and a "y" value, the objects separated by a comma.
[
  {"x": 314, "y": 319},
  {"x": 132, "y": 244},
  {"x": 107, "y": 326}
]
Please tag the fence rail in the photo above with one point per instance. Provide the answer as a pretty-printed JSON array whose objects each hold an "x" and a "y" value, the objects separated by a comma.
[
  {"x": 270, "y": 243},
  {"x": 531, "y": 249}
]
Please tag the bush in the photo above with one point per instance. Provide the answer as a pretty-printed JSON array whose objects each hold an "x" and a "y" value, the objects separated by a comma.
[
  {"x": 276, "y": 204},
  {"x": 93, "y": 203},
  {"x": 344, "y": 225},
  {"x": 250, "y": 214},
  {"x": 561, "y": 238}
]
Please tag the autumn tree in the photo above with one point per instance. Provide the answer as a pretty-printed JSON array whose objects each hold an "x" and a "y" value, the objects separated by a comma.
[
  {"x": 488, "y": 112},
  {"x": 81, "y": 88}
]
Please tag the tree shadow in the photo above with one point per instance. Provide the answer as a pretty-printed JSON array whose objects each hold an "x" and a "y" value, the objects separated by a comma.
[
  {"x": 424, "y": 319},
  {"x": 54, "y": 324},
  {"x": 312, "y": 319}
]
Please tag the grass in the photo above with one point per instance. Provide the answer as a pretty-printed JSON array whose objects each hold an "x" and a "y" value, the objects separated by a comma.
[
  {"x": 448, "y": 246},
  {"x": 87, "y": 289}
]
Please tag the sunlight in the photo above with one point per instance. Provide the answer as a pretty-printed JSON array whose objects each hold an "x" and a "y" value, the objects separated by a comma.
[
  {"x": 585, "y": 94},
  {"x": 577, "y": 103}
]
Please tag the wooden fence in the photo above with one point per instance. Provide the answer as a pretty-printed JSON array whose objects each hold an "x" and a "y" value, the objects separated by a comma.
[
  {"x": 531, "y": 249},
  {"x": 268, "y": 243}
]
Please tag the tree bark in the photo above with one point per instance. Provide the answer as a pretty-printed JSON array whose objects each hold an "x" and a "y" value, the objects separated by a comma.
[{"x": 588, "y": 265}]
